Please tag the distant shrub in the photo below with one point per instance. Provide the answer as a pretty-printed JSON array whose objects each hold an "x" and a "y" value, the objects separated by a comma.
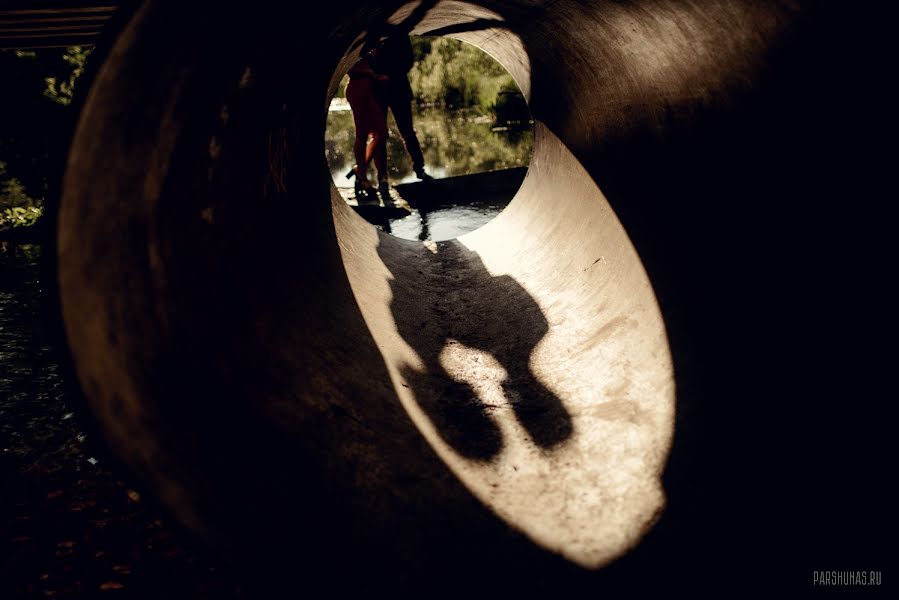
[
  {"x": 510, "y": 108},
  {"x": 454, "y": 74},
  {"x": 35, "y": 122}
]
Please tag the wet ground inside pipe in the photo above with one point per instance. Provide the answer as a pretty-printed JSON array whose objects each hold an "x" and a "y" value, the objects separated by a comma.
[{"x": 444, "y": 222}]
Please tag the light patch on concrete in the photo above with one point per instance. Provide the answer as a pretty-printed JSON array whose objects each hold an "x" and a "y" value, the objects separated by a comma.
[{"x": 604, "y": 355}]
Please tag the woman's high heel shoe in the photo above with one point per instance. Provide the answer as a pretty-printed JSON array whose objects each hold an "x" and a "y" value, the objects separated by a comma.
[{"x": 363, "y": 189}]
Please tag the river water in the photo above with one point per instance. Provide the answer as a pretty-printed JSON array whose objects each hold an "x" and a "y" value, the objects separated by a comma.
[
  {"x": 445, "y": 222},
  {"x": 454, "y": 143}
]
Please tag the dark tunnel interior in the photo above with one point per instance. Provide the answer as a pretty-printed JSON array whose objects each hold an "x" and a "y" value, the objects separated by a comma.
[{"x": 641, "y": 366}]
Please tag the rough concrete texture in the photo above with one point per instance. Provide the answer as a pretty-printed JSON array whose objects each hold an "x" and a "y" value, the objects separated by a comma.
[
  {"x": 330, "y": 405},
  {"x": 544, "y": 325}
]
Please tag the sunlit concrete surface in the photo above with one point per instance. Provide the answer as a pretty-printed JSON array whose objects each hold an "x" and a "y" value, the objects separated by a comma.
[
  {"x": 599, "y": 348},
  {"x": 310, "y": 395}
]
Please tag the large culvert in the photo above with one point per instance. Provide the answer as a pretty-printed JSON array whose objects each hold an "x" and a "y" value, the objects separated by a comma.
[{"x": 315, "y": 398}]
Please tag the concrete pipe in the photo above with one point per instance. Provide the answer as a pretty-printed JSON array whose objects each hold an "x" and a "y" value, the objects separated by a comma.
[{"x": 328, "y": 405}]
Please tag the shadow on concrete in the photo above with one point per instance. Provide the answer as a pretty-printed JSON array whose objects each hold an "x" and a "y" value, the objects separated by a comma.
[{"x": 468, "y": 305}]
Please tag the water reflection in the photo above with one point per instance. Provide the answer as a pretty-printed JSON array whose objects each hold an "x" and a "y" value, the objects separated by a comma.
[
  {"x": 454, "y": 142},
  {"x": 444, "y": 222},
  {"x": 32, "y": 406}
]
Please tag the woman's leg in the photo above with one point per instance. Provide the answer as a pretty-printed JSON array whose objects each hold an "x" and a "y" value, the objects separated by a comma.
[
  {"x": 366, "y": 118},
  {"x": 378, "y": 148}
]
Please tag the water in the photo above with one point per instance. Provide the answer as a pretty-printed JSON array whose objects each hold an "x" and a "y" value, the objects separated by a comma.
[
  {"x": 455, "y": 143},
  {"x": 30, "y": 385},
  {"x": 445, "y": 222}
]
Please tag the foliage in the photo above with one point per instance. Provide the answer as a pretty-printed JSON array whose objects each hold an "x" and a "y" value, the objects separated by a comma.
[
  {"x": 20, "y": 216},
  {"x": 510, "y": 108},
  {"x": 17, "y": 208},
  {"x": 455, "y": 142},
  {"x": 61, "y": 90},
  {"x": 454, "y": 74},
  {"x": 35, "y": 124},
  {"x": 12, "y": 192},
  {"x": 461, "y": 94}
]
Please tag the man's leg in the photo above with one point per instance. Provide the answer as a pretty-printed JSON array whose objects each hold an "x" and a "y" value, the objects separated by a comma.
[{"x": 402, "y": 113}]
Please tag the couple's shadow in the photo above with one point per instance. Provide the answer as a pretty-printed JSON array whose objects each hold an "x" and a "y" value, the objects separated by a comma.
[{"x": 458, "y": 299}]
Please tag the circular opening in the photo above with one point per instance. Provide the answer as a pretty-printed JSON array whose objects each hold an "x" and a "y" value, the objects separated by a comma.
[
  {"x": 524, "y": 364},
  {"x": 459, "y": 137}
]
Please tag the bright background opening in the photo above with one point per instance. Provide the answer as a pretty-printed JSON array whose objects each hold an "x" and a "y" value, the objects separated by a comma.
[{"x": 470, "y": 118}]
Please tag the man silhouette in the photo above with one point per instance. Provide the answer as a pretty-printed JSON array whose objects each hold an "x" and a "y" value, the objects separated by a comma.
[
  {"x": 395, "y": 60},
  {"x": 491, "y": 313}
]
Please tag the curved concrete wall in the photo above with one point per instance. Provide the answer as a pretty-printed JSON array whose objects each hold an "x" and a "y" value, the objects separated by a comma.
[{"x": 297, "y": 386}]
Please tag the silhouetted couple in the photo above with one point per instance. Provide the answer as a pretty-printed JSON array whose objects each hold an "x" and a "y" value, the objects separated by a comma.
[
  {"x": 466, "y": 306},
  {"x": 378, "y": 82}
]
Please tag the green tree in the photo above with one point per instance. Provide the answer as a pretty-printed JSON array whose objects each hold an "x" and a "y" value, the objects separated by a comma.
[
  {"x": 59, "y": 90},
  {"x": 454, "y": 74},
  {"x": 35, "y": 122}
]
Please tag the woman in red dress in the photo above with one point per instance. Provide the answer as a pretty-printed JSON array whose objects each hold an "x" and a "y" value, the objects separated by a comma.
[{"x": 369, "y": 117}]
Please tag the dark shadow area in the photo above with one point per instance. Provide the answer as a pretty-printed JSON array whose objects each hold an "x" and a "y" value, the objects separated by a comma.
[
  {"x": 332, "y": 489},
  {"x": 756, "y": 227},
  {"x": 491, "y": 187},
  {"x": 446, "y": 208},
  {"x": 379, "y": 215},
  {"x": 745, "y": 207},
  {"x": 72, "y": 518},
  {"x": 494, "y": 314}
]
